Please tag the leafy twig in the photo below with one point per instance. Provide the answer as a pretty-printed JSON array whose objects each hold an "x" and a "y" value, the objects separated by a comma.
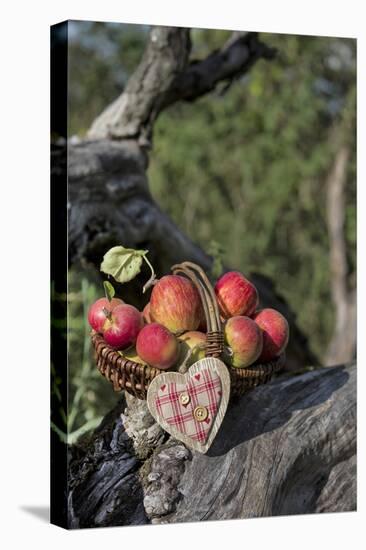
[{"x": 123, "y": 264}]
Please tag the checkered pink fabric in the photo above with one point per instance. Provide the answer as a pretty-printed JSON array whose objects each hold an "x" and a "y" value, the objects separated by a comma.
[{"x": 204, "y": 389}]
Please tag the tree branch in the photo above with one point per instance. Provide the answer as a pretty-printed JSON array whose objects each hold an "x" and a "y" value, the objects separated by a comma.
[
  {"x": 164, "y": 77},
  {"x": 235, "y": 58},
  {"x": 133, "y": 113}
]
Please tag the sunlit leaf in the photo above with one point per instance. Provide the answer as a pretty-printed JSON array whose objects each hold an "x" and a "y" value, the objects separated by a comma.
[{"x": 123, "y": 264}]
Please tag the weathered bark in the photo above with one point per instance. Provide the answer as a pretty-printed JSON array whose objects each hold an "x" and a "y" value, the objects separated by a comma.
[
  {"x": 285, "y": 448},
  {"x": 164, "y": 76},
  {"x": 110, "y": 204},
  {"x": 104, "y": 488},
  {"x": 141, "y": 428}
]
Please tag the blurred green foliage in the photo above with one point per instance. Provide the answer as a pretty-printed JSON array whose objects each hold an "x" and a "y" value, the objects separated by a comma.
[
  {"x": 241, "y": 171},
  {"x": 89, "y": 396}
]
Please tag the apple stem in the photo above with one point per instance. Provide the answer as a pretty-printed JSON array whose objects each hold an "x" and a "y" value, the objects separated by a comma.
[
  {"x": 153, "y": 280},
  {"x": 107, "y": 313},
  {"x": 183, "y": 367},
  {"x": 108, "y": 290}
]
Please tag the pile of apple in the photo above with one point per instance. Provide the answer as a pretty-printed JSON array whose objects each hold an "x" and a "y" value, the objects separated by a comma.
[{"x": 174, "y": 319}]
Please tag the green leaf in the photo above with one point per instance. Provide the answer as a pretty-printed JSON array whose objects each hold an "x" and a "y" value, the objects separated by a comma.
[
  {"x": 122, "y": 263},
  {"x": 109, "y": 290}
]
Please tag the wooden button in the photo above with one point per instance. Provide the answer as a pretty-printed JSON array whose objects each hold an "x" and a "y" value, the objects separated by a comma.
[
  {"x": 200, "y": 413},
  {"x": 184, "y": 398}
]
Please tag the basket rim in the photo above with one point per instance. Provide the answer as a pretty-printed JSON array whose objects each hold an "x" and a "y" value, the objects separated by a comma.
[{"x": 252, "y": 371}]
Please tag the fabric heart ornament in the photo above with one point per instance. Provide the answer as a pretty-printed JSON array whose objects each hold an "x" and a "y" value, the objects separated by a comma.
[{"x": 191, "y": 406}]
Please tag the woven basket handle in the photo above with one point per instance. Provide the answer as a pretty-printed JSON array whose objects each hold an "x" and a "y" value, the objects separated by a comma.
[{"x": 215, "y": 337}]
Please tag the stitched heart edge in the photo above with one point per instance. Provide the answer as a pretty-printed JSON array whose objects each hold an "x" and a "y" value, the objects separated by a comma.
[{"x": 207, "y": 362}]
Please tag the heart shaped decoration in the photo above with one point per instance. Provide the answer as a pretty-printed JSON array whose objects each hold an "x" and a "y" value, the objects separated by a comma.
[{"x": 191, "y": 406}]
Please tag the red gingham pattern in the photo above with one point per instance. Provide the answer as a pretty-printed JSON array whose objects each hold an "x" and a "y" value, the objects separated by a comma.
[{"x": 204, "y": 389}]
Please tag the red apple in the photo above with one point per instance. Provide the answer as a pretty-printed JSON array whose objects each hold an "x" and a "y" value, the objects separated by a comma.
[
  {"x": 236, "y": 295},
  {"x": 245, "y": 339},
  {"x": 97, "y": 312},
  {"x": 275, "y": 333},
  {"x": 195, "y": 341},
  {"x": 157, "y": 346},
  {"x": 121, "y": 328},
  {"x": 176, "y": 304}
]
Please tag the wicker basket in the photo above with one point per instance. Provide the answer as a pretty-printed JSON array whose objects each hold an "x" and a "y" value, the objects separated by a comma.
[{"x": 135, "y": 378}]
